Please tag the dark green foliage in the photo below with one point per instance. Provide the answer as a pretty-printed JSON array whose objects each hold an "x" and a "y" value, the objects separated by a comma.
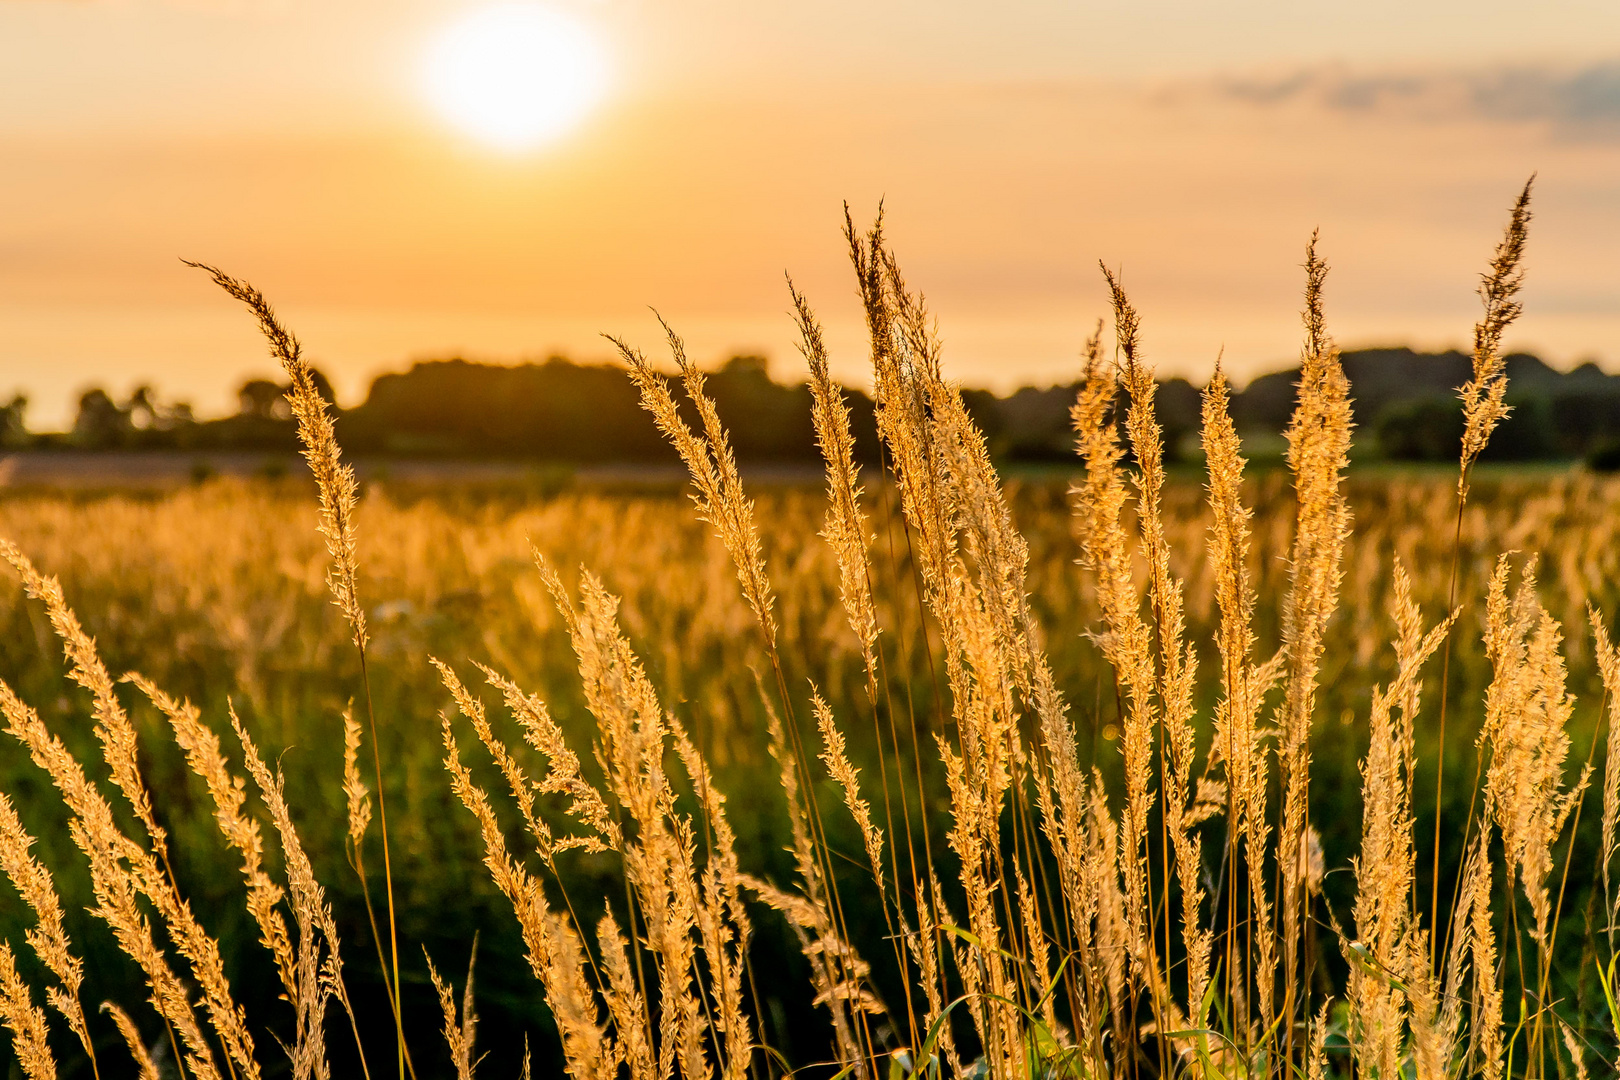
[
  {"x": 1431, "y": 429},
  {"x": 1405, "y": 406},
  {"x": 570, "y": 412},
  {"x": 1422, "y": 429},
  {"x": 1528, "y": 434},
  {"x": 1606, "y": 458},
  {"x": 454, "y": 407}
]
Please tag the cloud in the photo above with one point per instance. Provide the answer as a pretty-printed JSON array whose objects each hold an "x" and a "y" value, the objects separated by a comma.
[{"x": 1580, "y": 100}]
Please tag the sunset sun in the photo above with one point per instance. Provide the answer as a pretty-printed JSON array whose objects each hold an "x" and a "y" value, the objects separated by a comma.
[{"x": 515, "y": 75}]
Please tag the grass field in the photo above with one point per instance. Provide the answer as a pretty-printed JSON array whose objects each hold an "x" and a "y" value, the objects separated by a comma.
[
  {"x": 1275, "y": 772},
  {"x": 217, "y": 593}
]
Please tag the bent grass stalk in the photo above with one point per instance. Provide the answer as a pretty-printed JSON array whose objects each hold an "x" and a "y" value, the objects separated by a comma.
[{"x": 339, "y": 499}]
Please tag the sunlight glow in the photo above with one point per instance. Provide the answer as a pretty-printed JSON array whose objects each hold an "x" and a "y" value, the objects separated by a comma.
[{"x": 516, "y": 75}]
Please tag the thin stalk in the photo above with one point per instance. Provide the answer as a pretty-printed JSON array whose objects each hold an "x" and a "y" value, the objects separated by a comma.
[
  {"x": 1518, "y": 948},
  {"x": 902, "y": 962},
  {"x": 1440, "y": 756},
  {"x": 817, "y": 828},
  {"x": 889, "y": 518},
  {"x": 1545, "y": 974},
  {"x": 174, "y": 1044},
  {"x": 354, "y": 1027},
  {"x": 388, "y": 869},
  {"x": 359, "y": 865}
]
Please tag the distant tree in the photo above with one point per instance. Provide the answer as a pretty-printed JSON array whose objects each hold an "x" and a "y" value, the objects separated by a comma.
[
  {"x": 1585, "y": 417},
  {"x": 1528, "y": 433},
  {"x": 263, "y": 399},
  {"x": 141, "y": 407},
  {"x": 1036, "y": 426},
  {"x": 768, "y": 421},
  {"x": 1604, "y": 458},
  {"x": 1178, "y": 406},
  {"x": 1428, "y": 428},
  {"x": 267, "y": 399},
  {"x": 101, "y": 423},
  {"x": 13, "y": 423},
  {"x": 154, "y": 424},
  {"x": 556, "y": 410}
]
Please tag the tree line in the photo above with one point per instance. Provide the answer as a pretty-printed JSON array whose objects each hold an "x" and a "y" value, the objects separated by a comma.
[{"x": 1405, "y": 409}]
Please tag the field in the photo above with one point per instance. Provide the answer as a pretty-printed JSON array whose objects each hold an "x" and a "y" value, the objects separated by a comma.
[
  {"x": 217, "y": 593},
  {"x": 1229, "y": 772}
]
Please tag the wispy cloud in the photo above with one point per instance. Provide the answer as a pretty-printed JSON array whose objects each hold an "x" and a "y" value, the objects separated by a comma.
[{"x": 1574, "y": 100}]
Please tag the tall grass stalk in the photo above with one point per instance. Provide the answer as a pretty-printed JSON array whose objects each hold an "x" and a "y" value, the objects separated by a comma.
[
  {"x": 339, "y": 500},
  {"x": 1484, "y": 407}
]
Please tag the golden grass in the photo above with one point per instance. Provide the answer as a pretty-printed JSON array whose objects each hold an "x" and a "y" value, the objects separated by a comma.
[{"x": 1158, "y": 913}]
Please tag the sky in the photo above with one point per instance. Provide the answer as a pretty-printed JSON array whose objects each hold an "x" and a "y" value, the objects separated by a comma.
[{"x": 1192, "y": 146}]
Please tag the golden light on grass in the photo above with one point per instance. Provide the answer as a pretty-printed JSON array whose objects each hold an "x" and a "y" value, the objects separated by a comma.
[
  {"x": 1053, "y": 919},
  {"x": 515, "y": 75}
]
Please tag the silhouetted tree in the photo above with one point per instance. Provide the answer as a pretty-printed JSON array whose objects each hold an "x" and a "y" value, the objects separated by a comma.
[
  {"x": 1605, "y": 458},
  {"x": 1404, "y": 402},
  {"x": 1178, "y": 406},
  {"x": 13, "y": 423},
  {"x": 263, "y": 400},
  {"x": 101, "y": 423},
  {"x": 1527, "y": 434},
  {"x": 142, "y": 408},
  {"x": 1428, "y": 428}
]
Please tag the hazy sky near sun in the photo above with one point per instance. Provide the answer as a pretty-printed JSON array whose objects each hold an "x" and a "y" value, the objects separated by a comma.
[{"x": 1194, "y": 145}]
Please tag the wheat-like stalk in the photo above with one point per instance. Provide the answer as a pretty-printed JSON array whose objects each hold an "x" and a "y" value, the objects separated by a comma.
[
  {"x": 228, "y": 792},
  {"x": 339, "y": 501},
  {"x": 836, "y": 757},
  {"x": 318, "y": 969},
  {"x": 25, "y": 1019},
  {"x": 48, "y": 936},
  {"x": 113, "y": 727},
  {"x": 837, "y": 974},
  {"x": 339, "y": 491},
  {"x": 459, "y": 1028},
  {"x": 1176, "y": 659},
  {"x": 132, "y": 1039},
  {"x": 1128, "y": 645},
  {"x": 1238, "y": 737},
  {"x": 120, "y": 870},
  {"x": 1318, "y": 448},
  {"x": 118, "y": 739},
  {"x": 626, "y": 1002},
  {"x": 1608, "y": 660},
  {"x": 846, "y": 530},
  {"x": 1482, "y": 396},
  {"x": 1526, "y": 712},
  {"x": 1485, "y": 1046},
  {"x": 1386, "y": 960},
  {"x": 553, "y": 950},
  {"x": 713, "y": 467}
]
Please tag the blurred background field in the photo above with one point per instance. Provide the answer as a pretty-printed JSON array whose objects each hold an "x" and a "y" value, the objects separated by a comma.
[{"x": 214, "y": 588}]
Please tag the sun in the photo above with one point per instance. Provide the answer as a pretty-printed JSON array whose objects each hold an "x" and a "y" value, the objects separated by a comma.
[{"x": 515, "y": 75}]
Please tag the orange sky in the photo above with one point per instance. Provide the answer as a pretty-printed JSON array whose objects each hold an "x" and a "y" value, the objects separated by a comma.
[{"x": 287, "y": 141}]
